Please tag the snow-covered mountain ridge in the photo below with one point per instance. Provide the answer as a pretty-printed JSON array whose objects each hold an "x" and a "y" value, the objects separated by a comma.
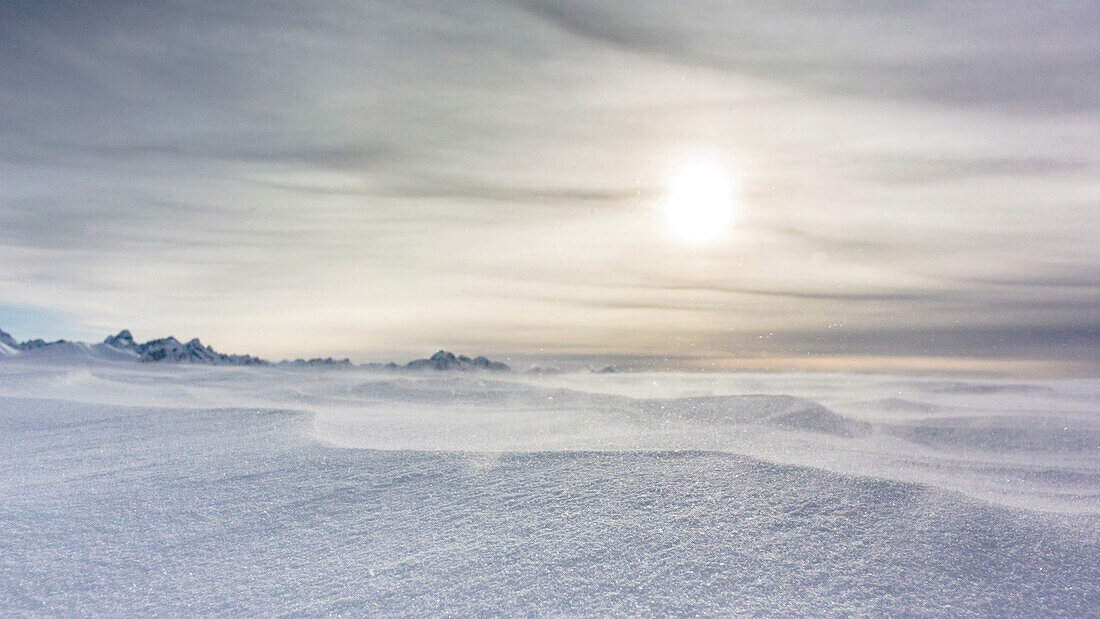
[
  {"x": 123, "y": 347},
  {"x": 172, "y": 350},
  {"x": 445, "y": 360}
]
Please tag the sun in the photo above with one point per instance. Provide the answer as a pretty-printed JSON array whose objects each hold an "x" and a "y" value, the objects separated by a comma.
[{"x": 699, "y": 204}]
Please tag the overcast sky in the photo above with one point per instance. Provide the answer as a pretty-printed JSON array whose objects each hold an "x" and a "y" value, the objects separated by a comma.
[{"x": 381, "y": 179}]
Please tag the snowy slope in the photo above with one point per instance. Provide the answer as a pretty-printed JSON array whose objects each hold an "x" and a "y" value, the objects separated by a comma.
[
  {"x": 65, "y": 351},
  {"x": 7, "y": 339},
  {"x": 8, "y": 345},
  {"x": 184, "y": 489}
]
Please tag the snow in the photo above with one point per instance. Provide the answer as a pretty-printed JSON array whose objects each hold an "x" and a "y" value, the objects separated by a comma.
[
  {"x": 124, "y": 340},
  {"x": 168, "y": 489},
  {"x": 123, "y": 347},
  {"x": 7, "y": 342},
  {"x": 63, "y": 351},
  {"x": 171, "y": 350}
]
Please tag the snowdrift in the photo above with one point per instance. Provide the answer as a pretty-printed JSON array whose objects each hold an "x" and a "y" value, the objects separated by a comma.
[{"x": 200, "y": 489}]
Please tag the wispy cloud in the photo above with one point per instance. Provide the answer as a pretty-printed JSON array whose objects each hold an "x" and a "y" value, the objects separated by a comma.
[
  {"x": 1024, "y": 57},
  {"x": 405, "y": 175}
]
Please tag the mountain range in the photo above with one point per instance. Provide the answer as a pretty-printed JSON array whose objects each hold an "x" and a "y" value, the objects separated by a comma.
[{"x": 123, "y": 347}]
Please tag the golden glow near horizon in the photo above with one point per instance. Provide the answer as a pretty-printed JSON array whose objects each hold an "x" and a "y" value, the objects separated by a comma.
[{"x": 700, "y": 203}]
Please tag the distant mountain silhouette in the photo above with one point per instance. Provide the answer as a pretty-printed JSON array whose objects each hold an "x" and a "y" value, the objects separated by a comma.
[
  {"x": 123, "y": 347},
  {"x": 446, "y": 360}
]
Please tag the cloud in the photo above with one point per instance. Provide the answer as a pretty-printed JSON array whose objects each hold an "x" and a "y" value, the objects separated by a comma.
[
  {"x": 1027, "y": 57},
  {"x": 487, "y": 172},
  {"x": 1034, "y": 341},
  {"x": 890, "y": 168}
]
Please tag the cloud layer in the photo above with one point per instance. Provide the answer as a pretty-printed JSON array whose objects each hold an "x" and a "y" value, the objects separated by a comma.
[{"x": 359, "y": 177}]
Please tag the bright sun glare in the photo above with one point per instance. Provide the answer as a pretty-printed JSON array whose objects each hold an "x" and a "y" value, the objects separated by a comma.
[{"x": 699, "y": 203}]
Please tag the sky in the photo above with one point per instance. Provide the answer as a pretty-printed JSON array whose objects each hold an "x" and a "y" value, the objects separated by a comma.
[{"x": 906, "y": 180}]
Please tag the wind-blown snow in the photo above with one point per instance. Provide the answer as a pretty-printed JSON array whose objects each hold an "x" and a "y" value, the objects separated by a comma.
[{"x": 134, "y": 488}]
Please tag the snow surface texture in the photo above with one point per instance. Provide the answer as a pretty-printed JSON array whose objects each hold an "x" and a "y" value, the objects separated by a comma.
[{"x": 135, "y": 488}]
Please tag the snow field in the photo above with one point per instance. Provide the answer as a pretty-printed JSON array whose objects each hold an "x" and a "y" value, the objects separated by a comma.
[{"x": 220, "y": 490}]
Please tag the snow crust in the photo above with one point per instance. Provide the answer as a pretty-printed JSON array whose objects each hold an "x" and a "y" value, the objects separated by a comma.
[{"x": 137, "y": 488}]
